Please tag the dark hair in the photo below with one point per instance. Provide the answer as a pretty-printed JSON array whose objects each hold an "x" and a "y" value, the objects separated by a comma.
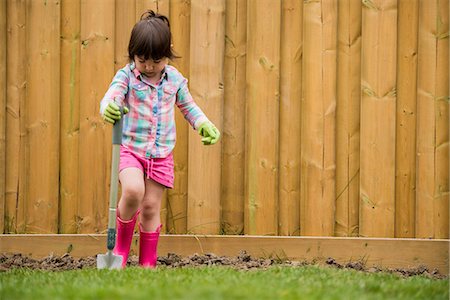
[{"x": 151, "y": 37}]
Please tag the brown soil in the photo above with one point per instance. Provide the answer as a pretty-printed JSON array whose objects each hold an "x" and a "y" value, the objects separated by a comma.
[{"x": 242, "y": 262}]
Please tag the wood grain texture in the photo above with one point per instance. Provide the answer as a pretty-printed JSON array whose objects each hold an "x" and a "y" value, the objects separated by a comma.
[
  {"x": 3, "y": 39},
  {"x": 432, "y": 121},
  {"x": 378, "y": 117},
  {"x": 180, "y": 19},
  {"x": 290, "y": 120},
  {"x": 40, "y": 179},
  {"x": 97, "y": 65},
  {"x": 262, "y": 117},
  {"x": 318, "y": 165},
  {"x": 233, "y": 138},
  {"x": 405, "y": 173},
  {"x": 348, "y": 118},
  {"x": 207, "y": 46},
  {"x": 70, "y": 116}
]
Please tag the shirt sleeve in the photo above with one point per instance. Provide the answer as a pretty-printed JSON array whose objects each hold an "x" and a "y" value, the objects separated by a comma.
[
  {"x": 117, "y": 90},
  {"x": 191, "y": 111}
]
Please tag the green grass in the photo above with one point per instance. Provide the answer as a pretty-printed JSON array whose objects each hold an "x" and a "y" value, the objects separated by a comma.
[{"x": 310, "y": 282}]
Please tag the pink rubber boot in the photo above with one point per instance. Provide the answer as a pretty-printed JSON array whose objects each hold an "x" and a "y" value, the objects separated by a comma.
[
  {"x": 125, "y": 231},
  {"x": 148, "y": 247}
]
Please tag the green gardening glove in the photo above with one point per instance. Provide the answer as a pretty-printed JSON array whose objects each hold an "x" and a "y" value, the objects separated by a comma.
[
  {"x": 112, "y": 113},
  {"x": 210, "y": 134}
]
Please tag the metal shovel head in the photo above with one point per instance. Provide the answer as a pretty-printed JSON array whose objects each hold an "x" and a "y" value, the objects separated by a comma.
[{"x": 109, "y": 261}]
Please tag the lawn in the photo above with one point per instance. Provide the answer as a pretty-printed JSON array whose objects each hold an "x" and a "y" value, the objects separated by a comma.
[{"x": 305, "y": 282}]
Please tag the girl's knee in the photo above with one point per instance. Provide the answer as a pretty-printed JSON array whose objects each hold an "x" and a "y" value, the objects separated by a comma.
[
  {"x": 149, "y": 209},
  {"x": 133, "y": 193}
]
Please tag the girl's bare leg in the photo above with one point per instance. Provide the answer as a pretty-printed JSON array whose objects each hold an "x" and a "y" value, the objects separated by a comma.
[
  {"x": 133, "y": 191},
  {"x": 151, "y": 206}
]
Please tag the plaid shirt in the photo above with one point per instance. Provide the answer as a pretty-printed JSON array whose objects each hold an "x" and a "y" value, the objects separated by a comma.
[{"x": 149, "y": 127}]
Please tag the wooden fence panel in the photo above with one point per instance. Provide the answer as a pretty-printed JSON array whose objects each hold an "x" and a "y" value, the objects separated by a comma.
[
  {"x": 233, "y": 138},
  {"x": 42, "y": 124},
  {"x": 290, "y": 121},
  {"x": 348, "y": 118},
  {"x": 262, "y": 117},
  {"x": 318, "y": 118},
  {"x": 405, "y": 177},
  {"x": 70, "y": 116},
  {"x": 206, "y": 74},
  {"x": 378, "y": 78},
  {"x": 305, "y": 93},
  {"x": 125, "y": 18},
  {"x": 2, "y": 113},
  {"x": 15, "y": 116},
  {"x": 432, "y": 121},
  {"x": 97, "y": 66},
  {"x": 180, "y": 19}
]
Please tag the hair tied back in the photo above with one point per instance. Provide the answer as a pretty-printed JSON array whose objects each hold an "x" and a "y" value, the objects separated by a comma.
[{"x": 150, "y": 14}]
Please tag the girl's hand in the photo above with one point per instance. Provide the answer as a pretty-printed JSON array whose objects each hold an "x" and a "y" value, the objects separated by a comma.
[
  {"x": 210, "y": 134},
  {"x": 112, "y": 113}
]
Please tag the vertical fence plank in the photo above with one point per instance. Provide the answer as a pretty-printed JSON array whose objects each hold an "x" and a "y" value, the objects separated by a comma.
[
  {"x": 262, "y": 117},
  {"x": 42, "y": 158},
  {"x": 432, "y": 121},
  {"x": 125, "y": 19},
  {"x": 206, "y": 74},
  {"x": 163, "y": 7},
  {"x": 234, "y": 118},
  {"x": 348, "y": 118},
  {"x": 442, "y": 143},
  {"x": 2, "y": 114},
  {"x": 290, "y": 121},
  {"x": 97, "y": 66},
  {"x": 405, "y": 177},
  {"x": 318, "y": 118},
  {"x": 177, "y": 197},
  {"x": 15, "y": 97},
  {"x": 144, "y": 5},
  {"x": 70, "y": 116},
  {"x": 377, "y": 194},
  {"x": 159, "y": 6}
]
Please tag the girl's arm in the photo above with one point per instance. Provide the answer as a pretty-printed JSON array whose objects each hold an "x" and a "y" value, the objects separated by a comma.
[
  {"x": 191, "y": 111},
  {"x": 117, "y": 90}
]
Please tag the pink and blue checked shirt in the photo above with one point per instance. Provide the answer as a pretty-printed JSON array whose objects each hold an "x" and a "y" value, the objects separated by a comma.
[{"x": 149, "y": 127}]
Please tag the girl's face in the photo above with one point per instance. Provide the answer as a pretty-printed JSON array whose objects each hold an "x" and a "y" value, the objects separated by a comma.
[{"x": 150, "y": 68}]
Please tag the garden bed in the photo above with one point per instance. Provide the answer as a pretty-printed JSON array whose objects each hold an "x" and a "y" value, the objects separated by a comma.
[{"x": 243, "y": 261}]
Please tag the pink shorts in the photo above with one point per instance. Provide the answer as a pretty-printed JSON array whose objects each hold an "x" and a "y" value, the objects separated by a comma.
[{"x": 158, "y": 169}]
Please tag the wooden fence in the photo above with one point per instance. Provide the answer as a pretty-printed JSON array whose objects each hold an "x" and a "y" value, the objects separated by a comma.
[{"x": 334, "y": 115}]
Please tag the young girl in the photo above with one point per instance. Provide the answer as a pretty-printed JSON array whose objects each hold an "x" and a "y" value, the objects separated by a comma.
[{"x": 148, "y": 89}]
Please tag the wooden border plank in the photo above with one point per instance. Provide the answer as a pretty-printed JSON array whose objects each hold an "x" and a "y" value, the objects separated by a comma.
[{"x": 380, "y": 252}]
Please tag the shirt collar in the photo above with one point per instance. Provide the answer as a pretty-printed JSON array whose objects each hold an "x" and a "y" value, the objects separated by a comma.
[{"x": 139, "y": 74}]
